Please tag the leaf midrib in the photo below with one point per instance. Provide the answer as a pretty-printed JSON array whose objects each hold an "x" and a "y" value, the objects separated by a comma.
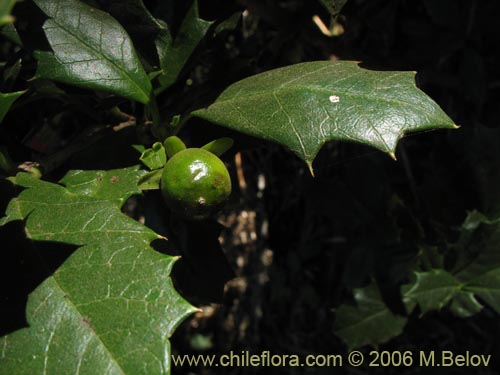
[
  {"x": 88, "y": 326},
  {"x": 124, "y": 72},
  {"x": 314, "y": 89}
]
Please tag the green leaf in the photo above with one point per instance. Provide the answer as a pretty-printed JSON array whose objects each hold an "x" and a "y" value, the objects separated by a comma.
[
  {"x": 10, "y": 33},
  {"x": 487, "y": 287},
  {"x": 117, "y": 185},
  {"x": 303, "y": 106},
  {"x": 111, "y": 307},
  {"x": 5, "y": 8},
  {"x": 482, "y": 275},
  {"x": 6, "y": 101},
  {"x": 133, "y": 15},
  {"x": 228, "y": 24},
  {"x": 151, "y": 180},
  {"x": 6, "y": 163},
  {"x": 90, "y": 50},
  {"x": 173, "y": 55},
  {"x": 370, "y": 322},
  {"x": 219, "y": 146},
  {"x": 432, "y": 290},
  {"x": 465, "y": 304},
  {"x": 155, "y": 157}
]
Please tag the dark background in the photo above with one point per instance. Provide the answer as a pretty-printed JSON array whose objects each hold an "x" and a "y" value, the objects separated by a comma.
[{"x": 293, "y": 246}]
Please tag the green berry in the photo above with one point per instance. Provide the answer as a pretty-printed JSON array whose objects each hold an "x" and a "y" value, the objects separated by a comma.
[{"x": 195, "y": 183}]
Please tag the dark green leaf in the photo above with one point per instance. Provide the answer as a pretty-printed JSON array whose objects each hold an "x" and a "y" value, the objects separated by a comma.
[
  {"x": 111, "y": 307},
  {"x": 465, "y": 304},
  {"x": 174, "y": 54},
  {"x": 432, "y": 290},
  {"x": 6, "y": 101},
  {"x": 228, "y": 24},
  {"x": 482, "y": 275},
  {"x": 333, "y": 6},
  {"x": 305, "y": 105},
  {"x": 91, "y": 50},
  {"x": 9, "y": 31},
  {"x": 487, "y": 287},
  {"x": 369, "y": 322}
]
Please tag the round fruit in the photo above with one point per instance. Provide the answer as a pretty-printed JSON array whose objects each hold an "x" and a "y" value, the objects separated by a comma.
[{"x": 195, "y": 183}]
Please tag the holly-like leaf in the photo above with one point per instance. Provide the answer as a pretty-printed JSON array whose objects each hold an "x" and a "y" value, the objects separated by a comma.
[
  {"x": 174, "y": 54},
  {"x": 432, "y": 290},
  {"x": 111, "y": 307},
  {"x": 487, "y": 287},
  {"x": 90, "y": 50},
  {"x": 369, "y": 322},
  {"x": 303, "y": 106},
  {"x": 6, "y": 101}
]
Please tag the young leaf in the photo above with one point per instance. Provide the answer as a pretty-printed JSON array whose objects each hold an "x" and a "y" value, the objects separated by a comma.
[
  {"x": 305, "y": 105},
  {"x": 219, "y": 146},
  {"x": 174, "y": 54},
  {"x": 155, "y": 157},
  {"x": 111, "y": 306},
  {"x": 173, "y": 145},
  {"x": 6, "y": 101},
  {"x": 90, "y": 50},
  {"x": 369, "y": 322}
]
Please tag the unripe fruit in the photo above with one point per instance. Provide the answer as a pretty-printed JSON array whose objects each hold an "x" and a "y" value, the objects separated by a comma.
[{"x": 195, "y": 183}]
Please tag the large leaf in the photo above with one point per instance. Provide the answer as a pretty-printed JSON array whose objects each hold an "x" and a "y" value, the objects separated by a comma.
[
  {"x": 6, "y": 101},
  {"x": 91, "y": 50},
  {"x": 369, "y": 322},
  {"x": 305, "y": 105},
  {"x": 174, "y": 54},
  {"x": 111, "y": 307}
]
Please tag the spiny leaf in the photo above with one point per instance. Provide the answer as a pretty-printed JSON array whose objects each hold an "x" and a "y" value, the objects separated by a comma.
[
  {"x": 91, "y": 50},
  {"x": 111, "y": 307},
  {"x": 432, "y": 290},
  {"x": 369, "y": 321},
  {"x": 305, "y": 105}
]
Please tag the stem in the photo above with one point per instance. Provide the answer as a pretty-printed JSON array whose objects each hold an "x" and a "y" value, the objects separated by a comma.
[{"x": 157, "y": 130}]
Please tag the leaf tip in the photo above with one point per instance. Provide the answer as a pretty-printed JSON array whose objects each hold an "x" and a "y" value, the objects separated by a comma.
[{"x": 310, "y": 166}]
